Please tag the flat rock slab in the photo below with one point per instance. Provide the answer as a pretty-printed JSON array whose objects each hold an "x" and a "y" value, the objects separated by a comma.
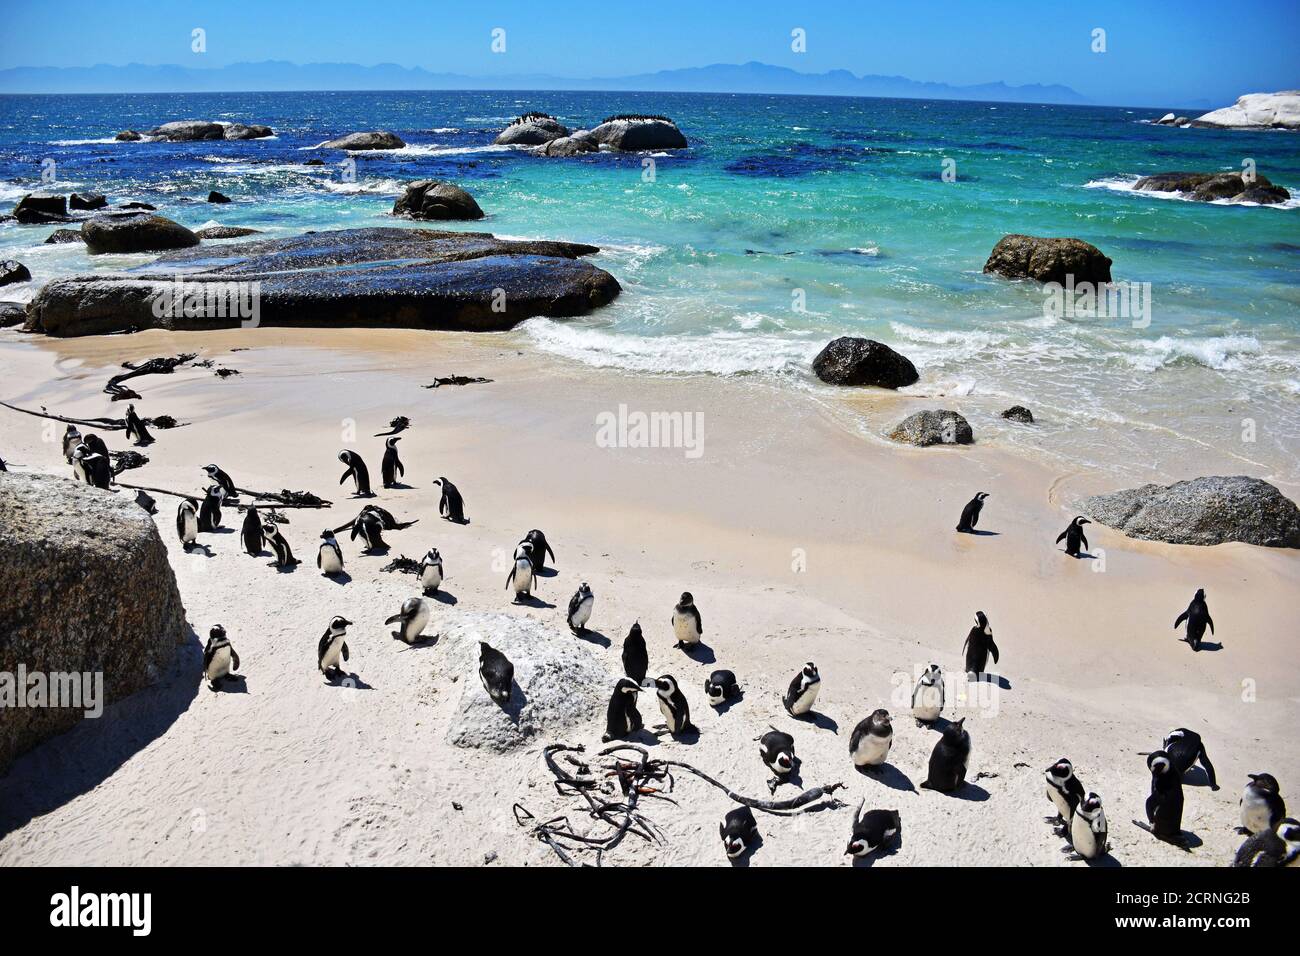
[{"x": 354, "y": 278}]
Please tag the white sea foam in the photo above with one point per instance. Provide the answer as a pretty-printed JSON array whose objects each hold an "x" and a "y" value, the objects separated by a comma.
[
  {"x": 380, "y": 187},
  {"x": 1222, "y": 353},
  {"x": 103, "y": 140}
]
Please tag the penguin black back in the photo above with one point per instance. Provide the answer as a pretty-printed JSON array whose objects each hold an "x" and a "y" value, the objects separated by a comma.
[
  {"x": 1185, "y": 747},
  {"x": 357, "y": 471},
  {"x": 970, "y": 515},
  {"x": 452, "y": 505},
  {"x": 1165, "y": 804},
  {"x": 253, "y": 537},
  {"x": 949, "y": 759},
  {"x": 541, "y": 548},
  {"x": 391, "y": 467},
  {"x": 636, "y": 660},
  {"x": 1198, "y": 618}
]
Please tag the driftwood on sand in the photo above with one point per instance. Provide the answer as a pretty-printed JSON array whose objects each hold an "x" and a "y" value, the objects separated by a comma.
[
  {"x": 108, "y": 424},
  {"x": 283, "y": 499},
  {"x": 457, "y": 380},
  {"x": 155, "y": 366}
]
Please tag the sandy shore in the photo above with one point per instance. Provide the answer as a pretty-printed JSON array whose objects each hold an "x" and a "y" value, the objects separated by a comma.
[{"x": 800, "y": 540}]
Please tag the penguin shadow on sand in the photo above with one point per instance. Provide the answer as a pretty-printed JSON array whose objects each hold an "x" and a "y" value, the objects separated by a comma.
[
  {"x": 346, "y": 680},
  {"x": 514, "y": 705},
  {"x": 819, "y": 720},
  {"x": 984, "y": 677},
  {"x": 441, "y": 596},
  {"x": 398, "y": 486},
  {"x": 230, "y": 684},
  {"x": 890, "y": 776},
  {"x": 532, "y": 600},
  {"x": 968, "y": 791},
  {"x": 701, "y": 653},
  {"x": 690, "y": 738},
  {"x": 1205, "y": 645},
  {"x": 419, "y": 644},
  {"x": 592, "y": 637},
  {"x": 981, "y": 533},
  {"x": 752, "y": 847},
  {"x": 203, "y": 549},
  {"x": 342, "y": 577},
  {"x": 1081, "y": 556}
]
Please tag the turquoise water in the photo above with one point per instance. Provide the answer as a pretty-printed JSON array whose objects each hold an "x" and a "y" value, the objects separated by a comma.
[{"x": 835, "y": 205}]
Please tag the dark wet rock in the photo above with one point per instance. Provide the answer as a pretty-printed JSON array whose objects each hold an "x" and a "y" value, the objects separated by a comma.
[
  {"x": 431, "y": 199},
  {"x": 1048, "y": 260},
  {"x": 85, "y": 587},
  {"x": 377, "y": 139},
  {"x": 185, "y": 131},
  {"x": 12, "y": 271},
  {"x": 134, "y": 232},
  {"x": 12, "y": 313},
  {"x": 855, "y": 361},
  {"x": 360, "y": 278},
  {"x": 531, "y": 129},
  {"x": 314, "y": 162},
  {"x": 86, "y": 201},
  {"x": 217, "y": 197},
  {"x": 1204, "y": 511},
  {"x": 635, "y": 131},
  {"x": 933, "y": 427},
  {"x": 568, "y": 146},
  {"x": 225, "y": 232},
  {"x": 38, "y": 209},
  {"x": 134, "y": 204},
  {"x": 1018, "y": 413},
  {"x": 1207, "y": 187},
  {"x": 247, "y": 131},
  {"x": 128, "y": 136}
]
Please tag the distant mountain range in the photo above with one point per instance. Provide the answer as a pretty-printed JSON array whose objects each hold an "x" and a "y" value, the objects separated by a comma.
[{"x": 273, "y": 75}]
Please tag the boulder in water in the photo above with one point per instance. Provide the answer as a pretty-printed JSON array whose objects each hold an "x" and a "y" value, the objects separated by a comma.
[
  {"x": 856, "y": 361},
  {"x": 13, "y": 271},
  {"x": 1207, "y": 187},
  {"x": 568, "y": 146},
  {"x": 635, "y": 131},
  {"x": 377, "y": 139},
  {"x": 431, "y": 199},
  {"x": 128, "y": 136},
  {"x": 933, "y": 427},
  {"x": 36, "y": 209},
  {"x": 247, "y": 131},
  {"x": 134, "y": 232},
  {"x": 225, "y": 232},
  {"x": 1018, "y": 413},
  {"x": 86, "y": 201},
  {"x": 185, "y": 131},
  {"x": 1257, "y": 111},
  {"x": 531, "y": 129},
  {"x": 1048, "y": 260},
  {"x": 217, "y": 197}
]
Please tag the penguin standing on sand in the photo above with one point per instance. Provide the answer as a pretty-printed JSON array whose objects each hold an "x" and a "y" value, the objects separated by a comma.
[
  {"x": 738, "y": 830},
  {"x": 541, "y": 548},
  {"x": 210, "y": 511},
  {"x": 687, "y": 624},
  {"x": 357, "y": 471},
  {"x": 970, "y": 515},
  {"x": 219, "y": 477},
  {"x": 71, "y": 439},
  {"x": 1185, "y": 748},
  {"x": 1073, "y": 535},
  {"x": 949, "y": 760},
  {"x": 802, "y": 692},
  {"x": 979, "y": 645},
  {"x": 636, "y": 660},
  {"x": 1088, "y": 830},
  {"x": 451, "y": 505},
  {"x": 371, "y": 530},
  {"x": 251, "y": 532},
  {"x": 927, "y": 696},
  {"x": 333, "y": 647},
  {"x": 1064, "y": 790},
  {"x": 135, "y": 428},
  {"x": 1165, "y": 804},
  {"x": 1262, "y": 806},
  {"x": 580, "y": 606},
  {"x": 871, "y": 739},
  {"x": 777, "y": 750},
  {"x": 1197, "y": 617},
  {"x": 621, "y": 717},
  {"x": 410, "y": 620},
  {"x": 496, "y": 672},
  {"x": 329, "y": 556},
  {"x": 872, "y": 831},
  {"x": 280, "y": 546},
  {"x": 391, "y": 468},
  {"x": 431, "y": 571},
  {"x": 1277, "y": 847},
  {"x": 219, "y": 658},
  {"x": 187, "y": 522},
  {"x": 521, "y": 575},
  {"x": 720, "y": 687},
  {"x": 673, "y": 705}
]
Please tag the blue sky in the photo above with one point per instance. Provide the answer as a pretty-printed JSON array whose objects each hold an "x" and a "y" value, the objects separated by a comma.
[{"x": 1178, "y": 51}]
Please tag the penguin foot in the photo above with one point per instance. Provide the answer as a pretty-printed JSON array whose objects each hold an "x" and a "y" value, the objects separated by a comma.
[
  {"x": 1056, "y": 819},
  {"x": 1242, "y": 830}
]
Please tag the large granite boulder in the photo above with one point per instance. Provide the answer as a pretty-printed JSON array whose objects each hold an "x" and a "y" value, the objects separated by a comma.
[
  {"x": 378, "y": 139},
  {"x": 1018, "y": 413},
  {"x": 531, "y": 129},
  {"x": 12, "y": 313},
  {"x": 85, "y": 588},
  {"x": 1048, "y": 260},
  {"x": 632, "y": 131},
  {"x": 225, "y": 232},
  {"x": 431, "y": 199},
  {"x": 87, "y": 201},
  {"x": 134, "y": 232},
  {"x": 185, "y": 131},
  {"x": 933, "y": 427},
  {"x": 37, "y": 209},
  {"x": 61, "y": 237},
  {"x": 855, "y": 361},
  {"x": 351, "y": 278},
  {"x": 1201, "y": 511},
  {"x": 1257, "y": 111},
  {"x": 247, "y": 131},
  {"x": 13, "y": 271},
  {"x": 1207, "y": 187},
  {"x": 568, "y": 146}
]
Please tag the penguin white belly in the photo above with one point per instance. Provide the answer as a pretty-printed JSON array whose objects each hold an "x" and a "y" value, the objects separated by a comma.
[
  {"x": 332, "y": 654},
  {"x": 191, "y": 526},
  {"x": 872, "y": 750},
  {"x": 804, "y": 702},
  {"x": 1254, "y": 814},
  {"x": 684, "y": 628},
  {"x": 329, "y": 560},
  {"x": 1058, "y": 799},
  {"x": 523, "y": 576},
  {"x": 928, "y": 705},
  {"x": 416, "y": 625},
  {"x": 1083, "y": 839},
  {"x": 220, "y": 664},
  {"x": 583, "y": 614},
  {"x": 669, "y": 716},
  {"x": 431, "y": 577}
]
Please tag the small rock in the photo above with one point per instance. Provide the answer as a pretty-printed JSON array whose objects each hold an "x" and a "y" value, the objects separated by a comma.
[
  {"x": 857, "y": 361},
  {"x": 12, "y": 313},
  {"x": 36, "y": 209},
  {"x": 490, "y": 857},
  {"x": 133, "y": 204},
  {"x": 568, "y": 146},
  {"x": 937, "y": 427},
  {"x": 217, "y": 197},
  {"x": 225, "y": 232},
  {"x": 12, "y": 271},
  {"x": 1018, "y": 413},
  {"x": 86, "y": 201}
]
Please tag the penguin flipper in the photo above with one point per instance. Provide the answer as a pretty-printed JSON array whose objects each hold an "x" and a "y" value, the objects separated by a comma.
[
  {"x": 511, "y": 578},
  {"x": 345, "y": 650},
  {"x": 1208, "y": 767},
  {"x": 234, "y": 660},
  {"x": 1179, "y": 620},
  {"x": 1061, "y": 537},
  {"x": 550, "y": 552},
  {"x": 345, "y": 476},
  {"x": 1210, "y": 621},
  {"x": 394, "y": 619},
  {"x": 993, "y": 649},
  {"x": 1085, "y": 540},
  {"x": 401, "y": 469}
]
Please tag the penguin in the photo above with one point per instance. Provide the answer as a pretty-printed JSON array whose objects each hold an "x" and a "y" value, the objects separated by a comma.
[
  {"x": 635, "y": 658},
  {"x": 187, "y": 522},
  {"x": 369, "y": 526},
  {"x": 541, "y": 548},
  {"x": 79, "y": 453},
  {"x": 1073, "y": 534},
  {"x": 738, "y": 830},
  {"x": 521, "y": 577},
  {"x": 970, "y": 515},
  {"x": 135, "y": 428},
  {"x": 1262, "y": 806},
  {"x": 431, "y": 571},
  {"x": 219, "y": 477},
  {"x": 720, "y": 687},
  {"x": 219, "y": 658},
  {"x": 802, "y": 693},
  {"x": 927, "y": 696},
  {"x": 949, "y": 760},
  {"x": 210, "y": 510},
  {"x": 1088, "y": 830},
  {"x": 1277, "y": 847},
  {"x": 357, "y": 471},
  {"x": 871, "y": 739},
  {"x": 391, "y": 468},
  {"x": 333, "y": 646},
  {"x": 283, "y": 553},
  {"x": 1064, "y": 790},
  {"x": 95, "y": 444},
  {"x": 92, "y": 467},
  {"x": 1185, "y": 748},
  {"x": 1165, "y": 804},
  {"x": 777, "y": 750},
  {"x": 412, "y": 617},
  {"x": 451, "y": 506},
  {"x": 621, "y": 717},
  {"x": 71, "y": 439},
  {"x": 251, "y": 533},
  {"x": 329, "y": 556},
  {"x": 979, "y": 645},
  {"x": 386, "y": 519},
  {"x": 580, "y": 606},
  {"x": 496, "y": 672},
  {"x": 1197, "y": 617},
  {"x": 673, "y": 705},
  {"x": 687, "y": 624},
  {"x": 872, "y": 831}
]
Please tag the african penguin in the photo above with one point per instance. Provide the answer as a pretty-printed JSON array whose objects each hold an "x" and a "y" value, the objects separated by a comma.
[
  {"x": 738, "y": 831},
  {"x": 621, "y": 717},
  {"x": 71, "y": 439},
  {"x": 451, "y": 505},
  {"x": 219, "y": 477},
  {"x": 580, "y": 606},
  {"x": 187, "y": 522},
  {"x": 927, "y": 696},
  {"x": 636, "y": 660},
  {"x": 871, "y": 739},
  {"x": 720, "y": 687},
  {"x": 333, "y": 646},
  {"x": 1073, "y": 535},
  {"x": 1197, "y": 617},
  {"x": 251, "y": 533},
  {"x": 279, "y": 545},
  {"x": 136, "y": 430},
  {"x": 1185, "y": 748},
  {"x": 970, "y": 515},
  {"x": 210, "y": 510},
  {"x": 371, "y": 530},
  {"x": 386, "y": 519},
  {"x": 673, "y": 705},
  {"x": 979, "y": 646},
  {"x": 219, "y": 658},
  {"x": 802, "y": 692},
  {"x": 872, "y": 831},
  {"x": 949, "y": 760},
  {"x": 521, "y": 577},
  {"x": 329, "y": 556},
  {"x": 541, "y": 548},
  {"x": 1277, "y": 847},
  {"x": 687, "y": 624},
  {"x": 1088, "y": 830},
  {"x": 391, "y": 468},
  {"x": 411, "y": 619},
  {"x": 431, "y": 571},
  {"x": 1064, "y": 790},
  {"x": 496, "y": 672},
  {"x": 1262, "y": 806},
  {"x": 357, "y": 471},
  {"x": 777, "y": 750},
  {"x": 1165, "y": 804}
]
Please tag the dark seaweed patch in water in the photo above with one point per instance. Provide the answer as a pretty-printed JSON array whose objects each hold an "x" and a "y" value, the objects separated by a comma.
[
  {"x": 937, "y": 174},
  {"x": 776, "y": 166}
]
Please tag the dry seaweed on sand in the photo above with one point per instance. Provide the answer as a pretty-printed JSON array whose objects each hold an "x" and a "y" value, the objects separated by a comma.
[
  {"x": 126, "y": 460},
  {"x": 457, "y": 380},
  {"x": 402, "y": 565},
  {"x": 399, "y": 424},
  {"x": 108, "y": 424},
  {"x": 155, "y": 366},
  {"x": 285, "y": 498}
]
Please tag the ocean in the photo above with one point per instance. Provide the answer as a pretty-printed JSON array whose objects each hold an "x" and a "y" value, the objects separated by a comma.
[{"x": 789, "y": 221}]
